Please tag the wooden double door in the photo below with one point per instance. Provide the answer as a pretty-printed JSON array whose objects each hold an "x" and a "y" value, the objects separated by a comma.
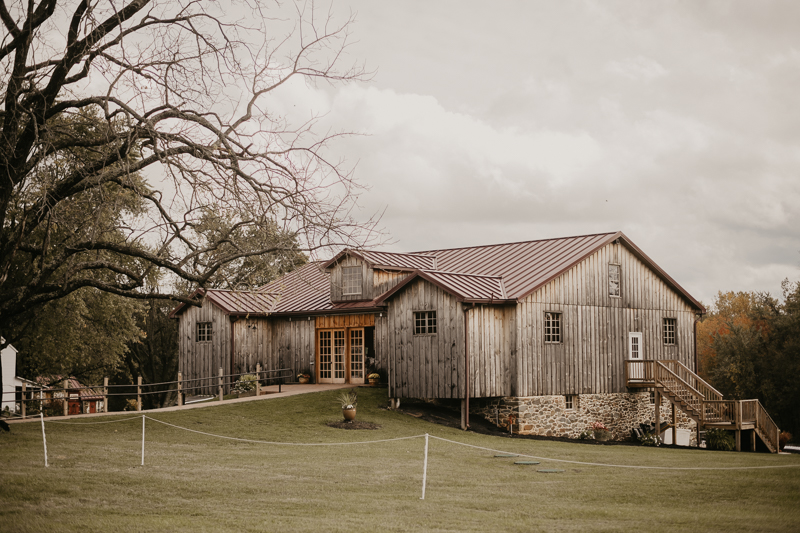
[{"x": 341, "y": 355}]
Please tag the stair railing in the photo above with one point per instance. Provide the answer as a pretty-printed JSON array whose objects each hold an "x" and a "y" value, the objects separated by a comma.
[
  {"x": 698, "y": 383},
  {"x": 672, "y": 382},
  {"x": 768, "y": 428}
]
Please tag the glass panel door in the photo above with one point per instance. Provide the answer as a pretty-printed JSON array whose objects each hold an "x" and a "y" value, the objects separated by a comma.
[
  {"x": 338, "y": 356},
  {"x": 325, "y": 359},
  {"x": 356, "y": 356}
]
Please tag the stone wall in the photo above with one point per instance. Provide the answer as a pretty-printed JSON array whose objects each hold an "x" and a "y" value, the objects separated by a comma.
[{"x": 549, "y": 416}]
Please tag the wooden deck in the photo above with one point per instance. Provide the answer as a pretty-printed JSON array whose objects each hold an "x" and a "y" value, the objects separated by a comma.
[{"x": 702, "y": 402}]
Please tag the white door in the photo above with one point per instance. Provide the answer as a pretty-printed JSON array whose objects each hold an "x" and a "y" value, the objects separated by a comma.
[{"x": 636, "y": 367}]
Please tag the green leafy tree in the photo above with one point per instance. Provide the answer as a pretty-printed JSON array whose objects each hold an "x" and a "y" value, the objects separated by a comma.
[{"x": 154, "y": 356}]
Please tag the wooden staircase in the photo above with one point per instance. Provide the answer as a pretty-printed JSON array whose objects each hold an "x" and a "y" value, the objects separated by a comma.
[{"x": 702, "y": 402}]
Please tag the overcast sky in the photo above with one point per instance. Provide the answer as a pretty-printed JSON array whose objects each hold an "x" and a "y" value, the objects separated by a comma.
[{"x": 675, "y": 122}]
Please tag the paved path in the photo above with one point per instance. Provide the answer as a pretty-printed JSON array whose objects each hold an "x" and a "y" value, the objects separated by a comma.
[{"x": 271, "y": 390}]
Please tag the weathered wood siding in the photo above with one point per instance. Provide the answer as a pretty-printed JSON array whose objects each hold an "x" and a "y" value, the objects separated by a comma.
[
  {"x": 383, "y": 280},
  {"x": 336, "y": 280},
  {"x": 252, "y": 341},
  {"x": 595, "y": 327},
  {"x": 204, "y": 359},
  {"x": 293, "y": 344},
  {"x": 492, "y": 350},
  {"x": 423, "y": 366}
]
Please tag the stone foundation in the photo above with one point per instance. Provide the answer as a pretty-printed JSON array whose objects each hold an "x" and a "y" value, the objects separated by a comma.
[{"x": 549, "y": 416}]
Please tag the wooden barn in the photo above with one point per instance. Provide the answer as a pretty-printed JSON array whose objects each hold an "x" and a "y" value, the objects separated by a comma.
[{"x": 549, "y": 335}]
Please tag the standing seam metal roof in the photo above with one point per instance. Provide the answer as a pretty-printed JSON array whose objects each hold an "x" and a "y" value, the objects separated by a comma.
[{"x": 493, "y": 272}]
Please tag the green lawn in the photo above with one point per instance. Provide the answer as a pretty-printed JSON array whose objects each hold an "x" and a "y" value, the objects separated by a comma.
[{"x": 196, "y": 483}]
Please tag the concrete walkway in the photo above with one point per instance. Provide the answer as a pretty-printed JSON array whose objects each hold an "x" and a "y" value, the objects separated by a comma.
[{"x": 271, "y": 392}]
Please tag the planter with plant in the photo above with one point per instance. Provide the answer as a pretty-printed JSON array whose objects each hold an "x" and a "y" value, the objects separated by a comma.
[
  {"x": 348, "y": 399},
  {"x": 601, "y": 432},
  {"x": 374, "y": 379},
  {"x": 304, "y": 376}
]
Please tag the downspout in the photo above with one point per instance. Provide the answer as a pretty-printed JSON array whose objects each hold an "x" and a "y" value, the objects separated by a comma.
[
  {"x": 466, "y": 366},
  {"x": 233, "y": 343},
  {"x": 696, "y": 362}
]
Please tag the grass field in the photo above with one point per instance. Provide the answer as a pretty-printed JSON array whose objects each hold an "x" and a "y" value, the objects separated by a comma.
[{"x": 196, "y": 483}]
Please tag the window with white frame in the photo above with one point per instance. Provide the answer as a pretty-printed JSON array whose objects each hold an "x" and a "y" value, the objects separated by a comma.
[
  {"x": 614, "y": 275},
  {"x": 351, "y": 281},
  {"x": 203, "y": 332},
  {"x": 424, "y": 322},
  {"x": 552, "y": 328},
  {"x": 669, "y": 331},
  {"x": 570, "y": 402}
]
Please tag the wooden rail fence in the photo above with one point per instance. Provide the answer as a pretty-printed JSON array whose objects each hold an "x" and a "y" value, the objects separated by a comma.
[{"x": 48, "y": 400}]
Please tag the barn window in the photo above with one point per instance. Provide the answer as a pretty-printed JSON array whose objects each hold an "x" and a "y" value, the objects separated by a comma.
[
  {"x": 570, "y": 402},
  {"x": 613, "y": 280},
  {"x": 203, "y": 332},
  {"x": 351, "y": 280},
  {"x": 552, "y": 327},
  {"x": 424, "y": 322},
  {"x": 669, "y": 331}
]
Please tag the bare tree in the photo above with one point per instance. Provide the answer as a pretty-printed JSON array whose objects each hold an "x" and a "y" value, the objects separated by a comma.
[{"x": 123, "y": 121}]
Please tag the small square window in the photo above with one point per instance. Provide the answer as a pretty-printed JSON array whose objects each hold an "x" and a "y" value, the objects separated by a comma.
[
  {"x": 614, "y": 280},
  {"x": 570, "y": 402},
  {"x": 669, "y": 331},
  {"x": 203, "y": 332},
  {"x": 351, "y": 281},
  {"x": 552, "y": 328},
  {"x": 652, "y": 398},
  {"x": 424, "y": 322}
]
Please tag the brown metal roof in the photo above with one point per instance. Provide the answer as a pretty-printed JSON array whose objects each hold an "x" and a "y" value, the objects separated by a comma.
[
  {"x": 524, "y": 266},
  {"x": 479, "y": 273},
  {"x": 467, "y": 286},
  {"x": 242, "y": 303},
  {"x": 375, "y": 259}
]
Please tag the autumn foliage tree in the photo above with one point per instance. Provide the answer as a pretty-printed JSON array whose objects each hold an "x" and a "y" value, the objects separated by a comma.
[{"x": 749, "y": 347}]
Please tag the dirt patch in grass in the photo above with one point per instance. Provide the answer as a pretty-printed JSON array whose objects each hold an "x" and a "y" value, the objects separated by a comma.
[{"x": 353, "y": 424}]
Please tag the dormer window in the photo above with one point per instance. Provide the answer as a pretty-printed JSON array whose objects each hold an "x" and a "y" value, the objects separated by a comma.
[{"x": 351, "y": 281}]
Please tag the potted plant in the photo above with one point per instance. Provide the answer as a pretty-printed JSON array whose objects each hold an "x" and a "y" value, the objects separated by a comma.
[
  {"x": 374, "y": 379},
  {"x": 304, "y": 376},
  {"x": 349, "y": 400},
  {"x": 601, "y": 432}
]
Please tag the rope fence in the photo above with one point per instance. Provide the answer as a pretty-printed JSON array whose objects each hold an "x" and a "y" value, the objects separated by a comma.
[{"x": 426, "y": 436}]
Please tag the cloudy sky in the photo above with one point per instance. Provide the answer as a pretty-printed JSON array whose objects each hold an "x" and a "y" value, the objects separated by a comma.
[{"x": 675, "y": 122}]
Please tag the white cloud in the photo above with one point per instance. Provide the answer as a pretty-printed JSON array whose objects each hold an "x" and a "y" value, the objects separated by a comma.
[{"x": 638, "y": 68}]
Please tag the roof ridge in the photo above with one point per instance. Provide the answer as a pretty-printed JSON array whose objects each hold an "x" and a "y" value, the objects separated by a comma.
[
  {"x": 517, "y": 242},
  {"x": 461, "y": 273}
]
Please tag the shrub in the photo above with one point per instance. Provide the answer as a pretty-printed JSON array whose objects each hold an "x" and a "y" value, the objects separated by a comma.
[
  {"x": 245, "y": 383},
  {"x": 719, "y": 439},
  {"x": 784, "y": 438},
  {"x": 648, "y": 438}
]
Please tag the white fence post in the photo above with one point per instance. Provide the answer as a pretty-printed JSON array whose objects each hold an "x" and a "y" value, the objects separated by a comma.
[
  {"x": 44, "y": 439},
  {"x": 425, "y": 468},
  {"x": 143, "y": 417}
]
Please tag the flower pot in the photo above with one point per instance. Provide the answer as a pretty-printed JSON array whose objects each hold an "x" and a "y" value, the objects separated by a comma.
[
  {"x": 349, "y": 414},
  {"x": 374, "y": 382},
  {"x": 303, "y": 380}
]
